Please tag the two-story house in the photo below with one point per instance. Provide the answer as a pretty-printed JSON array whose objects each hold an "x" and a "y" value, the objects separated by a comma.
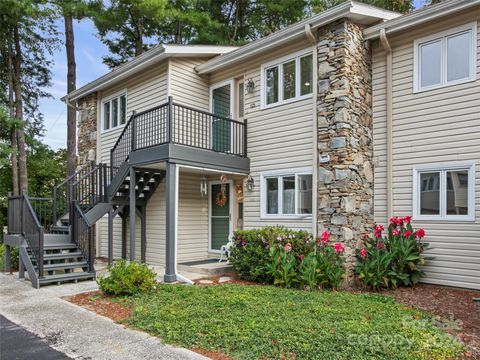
[{"x": 336, "y": 122}]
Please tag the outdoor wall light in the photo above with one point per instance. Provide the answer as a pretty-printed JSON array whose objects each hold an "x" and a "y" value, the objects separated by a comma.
[
  {"x": 250, "y": 85},
  {"x": 203, "y": 186},
  {"x": 250, "y": 183}
]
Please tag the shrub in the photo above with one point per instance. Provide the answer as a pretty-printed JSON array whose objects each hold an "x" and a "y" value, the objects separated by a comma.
[
  {"x": 287, "y": 258},
  {"x": 393, "y": 259},
  {"x": 13, "y": 257},
  {"x": 127, "y": 279},
  {"x": 250, "y": 254}
]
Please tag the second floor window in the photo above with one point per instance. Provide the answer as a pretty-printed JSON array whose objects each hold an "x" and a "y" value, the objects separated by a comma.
[
  {"x": 114, "y": 112},
  {"x": 288, "y": 79},
  {"x": 446, "y": 58}
]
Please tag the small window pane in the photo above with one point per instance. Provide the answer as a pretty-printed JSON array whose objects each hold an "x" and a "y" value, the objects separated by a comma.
[
  {"x": 288, "y": 206},
  {"x": 123, "y": 109},
  {"x": 114, "y": 112},
  {"x": 304, "y": 193},
  {"x": 106, "y": 115},
  {"x": 289, "y": 80},
  {"x": 241, "y": 100},
  {"x": 458, "y": 56},
  {"x": 306, "y": 75},
  {"x": 272, "y": 196},
  {"x": 431, "y": 63},
  {"x": 430, "y": 193},
  {"x": 457, "y": 192},
  {"x": 272, "y": 85}
]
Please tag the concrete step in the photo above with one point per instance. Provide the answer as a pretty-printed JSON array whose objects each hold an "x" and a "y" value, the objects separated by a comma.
[
  {"x": 60, "y": 278},
  {"x": 211, "y": 268}
]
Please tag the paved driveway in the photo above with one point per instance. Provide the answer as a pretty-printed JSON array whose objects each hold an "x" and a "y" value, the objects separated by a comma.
[{"x": 74, "y": 331}]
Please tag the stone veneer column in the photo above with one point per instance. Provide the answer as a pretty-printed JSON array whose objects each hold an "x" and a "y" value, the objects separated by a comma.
[
  {"x": 87, "y": 129},
  {"x": 345, "y": 183}
]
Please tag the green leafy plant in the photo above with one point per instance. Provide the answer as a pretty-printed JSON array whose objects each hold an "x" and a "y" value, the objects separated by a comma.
[
  {"x": 394, "y": 259},
  {"x": 282, "y": 266},
  {"x": 13, "y": 257},
  {"x": 127, "y": 279}
]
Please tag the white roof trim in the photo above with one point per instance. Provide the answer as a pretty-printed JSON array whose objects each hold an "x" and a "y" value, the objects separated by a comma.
[
  {"x": 156, "y": 54},
  {"x": 418, "y": 17},
  {"x": 350, "y": 9}
]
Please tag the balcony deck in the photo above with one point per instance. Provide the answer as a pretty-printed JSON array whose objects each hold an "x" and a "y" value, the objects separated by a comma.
[{"x": 183, "y": 135}]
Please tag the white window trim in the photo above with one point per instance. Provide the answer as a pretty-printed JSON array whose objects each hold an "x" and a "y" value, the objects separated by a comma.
[
  {"x": 107, "y": 99},
  {"x": 443, "y": 36},
  {"x": 443, "y": 168},
  {"x": 263, "y": 186},
  {"x": 279, "y": 62}
]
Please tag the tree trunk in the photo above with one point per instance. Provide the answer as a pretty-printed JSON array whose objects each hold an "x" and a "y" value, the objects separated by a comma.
[
  {"x": 17, "y": 83},
  {"x": 11, "y": 107},
  {"x": 71, "y": 86},
  {"x": 139, "y": 38}
]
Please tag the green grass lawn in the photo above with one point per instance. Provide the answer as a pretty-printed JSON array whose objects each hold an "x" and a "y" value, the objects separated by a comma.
[{"x": 251, "y": 322}]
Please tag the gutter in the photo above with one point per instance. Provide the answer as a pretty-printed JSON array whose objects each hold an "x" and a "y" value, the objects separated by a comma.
[
  {"x": 389, "y": 118},
  {"x": 427, "y": 14},
  {"x": 313, "y": 40}
]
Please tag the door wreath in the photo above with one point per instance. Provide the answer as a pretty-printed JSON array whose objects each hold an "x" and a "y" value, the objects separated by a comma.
[{"x": 221, "y": 199}]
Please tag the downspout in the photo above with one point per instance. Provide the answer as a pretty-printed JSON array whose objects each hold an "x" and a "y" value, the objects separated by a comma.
[
  {"x": 313, "y": 40},
  {"x": 389, "y": 118}
]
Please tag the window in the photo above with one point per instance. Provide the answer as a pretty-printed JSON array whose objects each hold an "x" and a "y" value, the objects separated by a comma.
[
  {"x": 447, "y": 58},
  {"x": 114, "y": 111},
  {"x": 444, "y": 192},
  {"x": 287, "y": 195},
  {"x": 287, "y": 79}
]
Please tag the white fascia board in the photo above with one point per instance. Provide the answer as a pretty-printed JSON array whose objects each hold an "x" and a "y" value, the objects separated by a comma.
[
  {"x": 348, "y": 9},
  {"x": 429, "y": 13},
  {"x": 154, "y": 55}
]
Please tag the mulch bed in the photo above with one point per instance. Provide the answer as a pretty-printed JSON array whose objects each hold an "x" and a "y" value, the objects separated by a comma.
[
  {"x": 103, "y": 305},
  {"x": 453, "y": 304}
]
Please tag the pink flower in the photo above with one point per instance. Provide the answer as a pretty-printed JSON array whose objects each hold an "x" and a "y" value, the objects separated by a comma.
[
  {"x": 420, "y": 233},
  {"x": 338, "y": 247},
  {"x": 378, "y": 230},
  {"x": 380, "y": 245},
  {"x": 325, "y": 236},
  {"x": 301, "y": 257},
  {"x": 397, "y": 221},
  {"x": 288, "y": 247},
  {"x": 395, "y": 232},
  {"x": 407, "y": 234},
  {"x": 363, "y": 252}
]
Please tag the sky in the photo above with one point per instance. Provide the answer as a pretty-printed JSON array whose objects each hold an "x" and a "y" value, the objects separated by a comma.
[{"x": 88, "y": 55}]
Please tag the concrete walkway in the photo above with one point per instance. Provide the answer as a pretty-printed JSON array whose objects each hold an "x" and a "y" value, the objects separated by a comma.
[{"x": 74, "y": 331}]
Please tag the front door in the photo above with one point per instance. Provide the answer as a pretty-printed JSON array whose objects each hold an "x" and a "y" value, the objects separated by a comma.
[
  {"x": 221, "y": 103},
  {"x": 220, "y": 215}
]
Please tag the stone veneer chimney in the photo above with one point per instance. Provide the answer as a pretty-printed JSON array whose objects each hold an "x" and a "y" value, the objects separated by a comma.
[
  {"x": 344, "y": 105},
  {"x": 87, "y": 129}
]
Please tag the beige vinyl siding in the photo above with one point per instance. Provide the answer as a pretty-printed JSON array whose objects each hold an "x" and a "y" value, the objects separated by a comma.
[
  {"x": 144, "y": 91},
  {"x": 436, "y": 126},
  {"x": 279, "y": 138},
  {"x": 186, "y": 86}
]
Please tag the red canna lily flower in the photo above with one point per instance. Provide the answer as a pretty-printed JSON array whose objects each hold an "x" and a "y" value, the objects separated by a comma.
[
  {"x": 407, "y": 234},
  {"x": 420, "y": 233},
  {"x": 378, "y": 230},
  {"x": 288, "y": 247},
  {"x": 363, "y": 252},
  {"x": 325, "y": 237},
  {"x": 339, "y": 247},
  {"x": 395, "y": 232}
]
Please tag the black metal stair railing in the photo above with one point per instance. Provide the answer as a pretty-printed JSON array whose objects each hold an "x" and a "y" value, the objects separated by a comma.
[
  {"x": 23, "y": 220},
  {"x": 90, "y": 187},
  {"x": 82, "y": 234},
  {"x": 179, "y": 124}
]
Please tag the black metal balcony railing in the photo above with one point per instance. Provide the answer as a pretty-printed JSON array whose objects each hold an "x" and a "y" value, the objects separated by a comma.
[{"x": 183, "y": 125}]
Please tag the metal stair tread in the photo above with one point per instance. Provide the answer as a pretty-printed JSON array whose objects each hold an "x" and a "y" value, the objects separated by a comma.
[
  {"x": 60, "y": 246},
  {"x": 66, "y": 277},
  {"x": 74, "y": 254},
  {"x": 69, "y": 265}
]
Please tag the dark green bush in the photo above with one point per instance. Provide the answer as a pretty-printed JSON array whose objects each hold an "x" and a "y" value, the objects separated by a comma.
[
  {"x": 288, "y": 258},
  {"x": 127, "y": 279},
  {"x": 13, "y": 257}
]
